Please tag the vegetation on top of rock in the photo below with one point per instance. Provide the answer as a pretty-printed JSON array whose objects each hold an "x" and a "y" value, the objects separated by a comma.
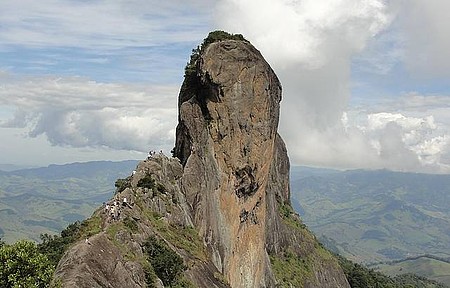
[
  {"x": 167, "y": 264},
  {"x": 54, "y": 245},
  {"x": 182, "y": 237},
  {"x": 290, "y": 269},
  {"x": 149, "y": 183},
  {"x": 294, "y": 265},
  {"x": 214, "y": 36},
  {"x": 131, "y": 224},
  {"x": 121, "y": 184},
  {"x": 218, "y": 35}
]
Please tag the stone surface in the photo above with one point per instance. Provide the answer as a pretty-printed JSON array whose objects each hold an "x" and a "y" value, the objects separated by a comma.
[{"x": 229, "y": 183}]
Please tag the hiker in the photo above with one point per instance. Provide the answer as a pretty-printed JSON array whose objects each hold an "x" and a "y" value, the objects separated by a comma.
[{"x": 113, "y": 212}]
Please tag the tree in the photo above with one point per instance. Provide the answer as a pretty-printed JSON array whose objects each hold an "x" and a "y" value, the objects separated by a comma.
[{"x": 22, "y": 265}]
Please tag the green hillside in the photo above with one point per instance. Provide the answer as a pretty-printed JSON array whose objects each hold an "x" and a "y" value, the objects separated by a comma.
[
  {"x": 378, "y": 216},
  {"x": 46, "y": 200},
  {"x": 429, "y": 267},
  {"x": 366, "y": 216}
]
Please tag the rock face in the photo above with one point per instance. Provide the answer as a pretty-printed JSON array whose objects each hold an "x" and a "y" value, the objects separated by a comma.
[
  {"x": 230, "y": 186},
  {"x": 227, "y": 138}
]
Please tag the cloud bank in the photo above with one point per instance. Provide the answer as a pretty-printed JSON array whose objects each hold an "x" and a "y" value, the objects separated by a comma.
[
  {"x": 62, "y": 60},
  {"x": 323, "y": 51},
  {"x": 78, "y": 112},
  {"x": 311, "y": 46}
]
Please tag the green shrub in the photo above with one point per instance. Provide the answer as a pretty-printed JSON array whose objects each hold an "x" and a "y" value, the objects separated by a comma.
[
  {"x": 167, "y": 264},
  {"x": 131, "y": 224},
  {"x": 146, "y": 182},
  {"x": 22, "y": 265},
  {"x": 219, "y": 35},
  {"x": 149, "y": 183},
  {"x": 150, "y": 275},
  {"x": 290, "y": 270},
  {"x": 121, "y": 184},
  {"x": 287, "y": 214},
  {"x": 214, "y": 36}
]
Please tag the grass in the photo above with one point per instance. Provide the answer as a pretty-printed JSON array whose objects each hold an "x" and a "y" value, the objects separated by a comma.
[
  {"x": 185, "y": 238},
  {"x": 91, "y": 226},
  {"x": 290, "y": 270}
]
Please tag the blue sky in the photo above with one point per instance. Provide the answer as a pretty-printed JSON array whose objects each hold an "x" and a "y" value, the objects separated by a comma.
[{"x": 365, "y": 82}]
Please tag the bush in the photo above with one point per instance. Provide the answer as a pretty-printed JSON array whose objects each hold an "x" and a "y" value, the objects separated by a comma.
[
  {"x": 121, "y": 184},
  {"x": 149, "y": 183},
  {"x": 214, "y": 36},
  {"x": 146, "y": 182},
  {"x": 219, "y": 35},
  {"x": 167, "y": 264},
  {"x": 131, "y": 224},
  {"x": 22, "y": 265}
]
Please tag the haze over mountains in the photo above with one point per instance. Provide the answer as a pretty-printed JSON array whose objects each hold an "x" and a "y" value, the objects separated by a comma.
[
  {"x": 46, "y": 199},
  {"x": 376, "y": 215},
  {"x": 372, "y": 207},
  {"x": 400, "y": 219}
]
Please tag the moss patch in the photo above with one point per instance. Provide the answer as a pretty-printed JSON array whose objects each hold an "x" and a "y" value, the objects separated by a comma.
[
  {"x": 295, "y": 266},
  {"x": 290, "y": 270},
  {"x": 185, "y": 238}
]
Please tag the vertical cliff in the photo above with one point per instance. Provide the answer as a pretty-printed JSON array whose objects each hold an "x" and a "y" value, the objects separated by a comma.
[
  {"x": 224, "y": 207},
  {"x": 236, "y": 169}
]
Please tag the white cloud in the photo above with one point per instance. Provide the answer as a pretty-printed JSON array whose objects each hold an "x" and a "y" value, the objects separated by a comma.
[
  {"x": 307, "y": 33},
  {"x": 311, "y": 45},
  {"x": 81, "y": 113},
  {"x": 405, "y": 137}
]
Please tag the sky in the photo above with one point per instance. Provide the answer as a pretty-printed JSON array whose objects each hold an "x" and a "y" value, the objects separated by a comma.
[{"x": 366, "y": 83}]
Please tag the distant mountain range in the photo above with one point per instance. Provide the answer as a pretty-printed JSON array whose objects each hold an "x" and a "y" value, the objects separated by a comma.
[
  {"x": 378, "y": 216},
  {"x": 12, "y": 167},
  {"x": 47, "y": 199}
]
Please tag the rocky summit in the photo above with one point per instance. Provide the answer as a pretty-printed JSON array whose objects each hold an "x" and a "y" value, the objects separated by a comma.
[{"x": 217, "y": 213}]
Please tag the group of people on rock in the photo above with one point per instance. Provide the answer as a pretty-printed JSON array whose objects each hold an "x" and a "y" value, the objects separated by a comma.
[
  {"x": 152, "y": 153},
  {"x": 113, "y": 209}
]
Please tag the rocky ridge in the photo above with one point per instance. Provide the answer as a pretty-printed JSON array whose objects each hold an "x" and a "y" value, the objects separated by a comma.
[{"x": 222, "y": 203}]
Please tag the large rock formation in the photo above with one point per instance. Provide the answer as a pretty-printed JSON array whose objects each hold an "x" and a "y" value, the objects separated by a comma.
[{"x": 224, "y": 205}]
